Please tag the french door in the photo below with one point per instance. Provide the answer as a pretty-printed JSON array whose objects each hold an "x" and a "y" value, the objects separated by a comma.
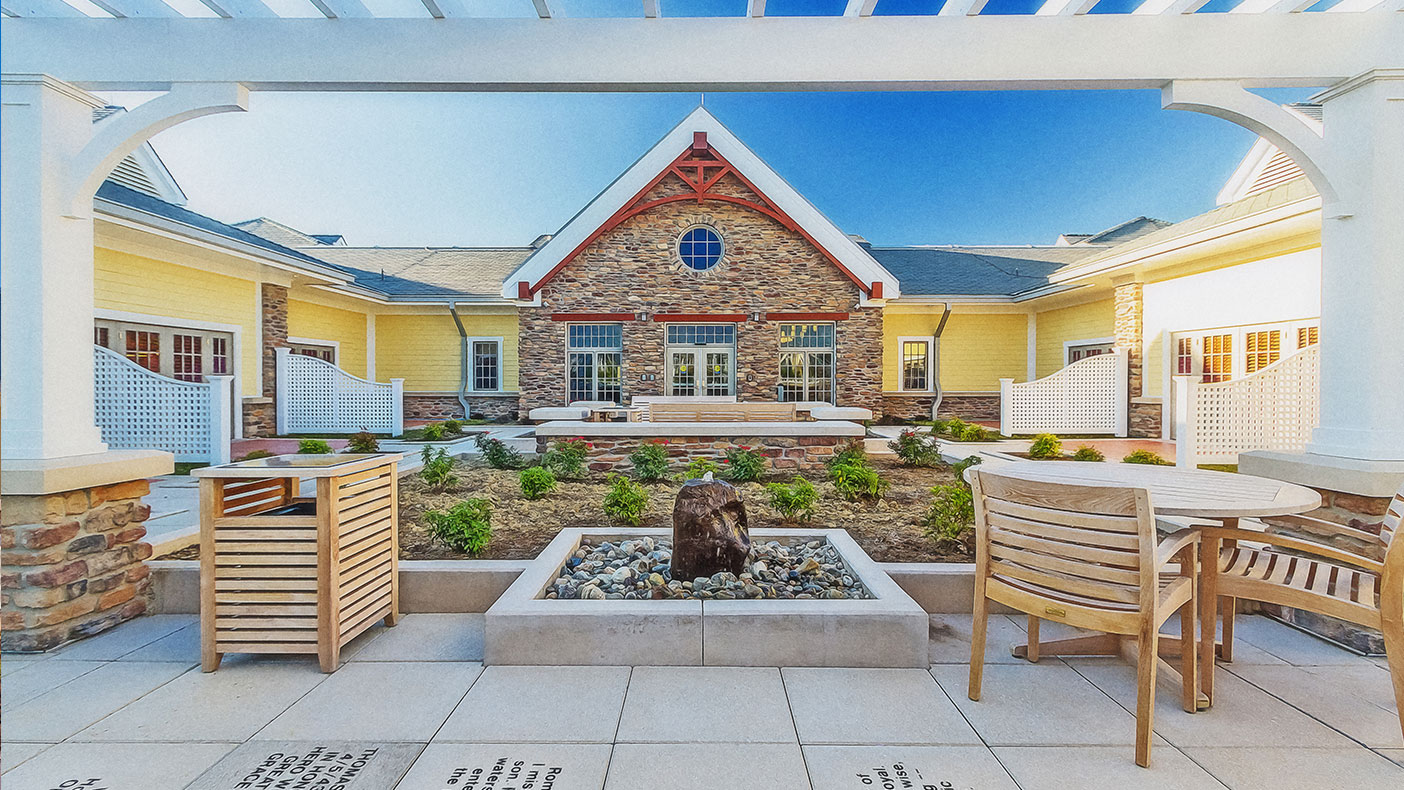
[{"x": 705, "y": 371}]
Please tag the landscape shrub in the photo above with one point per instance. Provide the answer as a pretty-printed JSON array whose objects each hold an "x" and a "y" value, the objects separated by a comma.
[
  {"x": 794, "y": 502},
  {"x": 951, "y": 513},
  {"x": 436, "y": 468},
  {"x": 453, "y": 427},
  {"x": 256, "y": 454},
  {"x": 434, "y": 432},
  {"x": 566, "y": 458},
  {"x": 497, "y": 454},
  {"x": 363, "y": 442},
  {"x": 698, "y": 468},
  {"x": 958, "y": 468},
  {"x": 625, "y": 501},
  {"x": 650, "y": 461},
  {"x": 1088, "y": 453},
  {"x": 467, "y": 526},
  {"x": 916, "y": 449},
  {"x": 856, "y": 479},
  {"x": 536, "y": 482},
  {"x": 1146, "y": 457},
  {"x": 970, "y": 432},
  {"x": 851, "y": 453},
  {"x": 1045, "y": 446},
  {"x": 744, "y": 465},
  {"x": 313, "y": 447}
]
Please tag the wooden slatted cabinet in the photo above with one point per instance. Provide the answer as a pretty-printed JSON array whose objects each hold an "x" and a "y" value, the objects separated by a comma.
[{"x": 283, "y": 573}]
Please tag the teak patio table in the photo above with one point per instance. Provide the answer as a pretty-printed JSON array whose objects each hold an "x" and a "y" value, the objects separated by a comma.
[
  {"x": 282, "y": 573},
  {"x": 1194, "y": 493}
]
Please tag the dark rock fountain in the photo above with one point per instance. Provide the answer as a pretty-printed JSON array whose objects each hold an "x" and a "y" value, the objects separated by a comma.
[{"x": 709, "y": 530}]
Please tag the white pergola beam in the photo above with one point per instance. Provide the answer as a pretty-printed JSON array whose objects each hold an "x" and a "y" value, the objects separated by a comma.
[
  {"x": 1353, "y": 6},
  {"x": 137, "y": 9},
  {"x": 40, "y": 8},
  {"x": 962, "y": 8},
  {"x": 1169, "y": 7},
  {"x": 543, "y": 8},
  {"x": 240, "y": 9},
  {"x": 1289, "y": 6},
  {"x": 1065, "y": 7},
  {"x": 342, "y": 9},
  {"x": 860, "y": 8},
  {"x": 445, "y": 9},
  {"x": 687, "y": 55},
  {"x": 755, "y": 8},
  {"x": 650, "y": 9}
]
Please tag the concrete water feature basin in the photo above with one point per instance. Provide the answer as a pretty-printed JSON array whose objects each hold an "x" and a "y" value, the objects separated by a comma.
[{"x": 887, "y": 629}]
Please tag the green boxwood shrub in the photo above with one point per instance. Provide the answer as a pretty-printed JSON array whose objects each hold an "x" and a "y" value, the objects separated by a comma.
[
  {"x": 1146, "y": 457},
  {"x": 698, "y": 468},
  {"x": 453, "y": 427},
  {"x": 313, "y": 447},
  {"x": 1088, "y": 453},
  {"x": 625, "y": 501},
  {"x": 536, "y": 482},
  {"x": 951, "y": 512},
  {"x": 467, "y": 526},
  {"x": 1045, "y": 446},
  {"x": 744, "y": 465},
  {"x": 433, "y": 432},
  {"x": 566, "y": 458},
  {"x": 794, "y": 502},
  {"x": 363, "y": 442},
  {"x": 650, "y": 461}
]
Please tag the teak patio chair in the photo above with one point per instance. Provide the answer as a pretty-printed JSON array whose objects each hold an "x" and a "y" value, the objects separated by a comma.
[
  {"x": 1304, "y": 574},
  {"x": 1087, "y": 556}
]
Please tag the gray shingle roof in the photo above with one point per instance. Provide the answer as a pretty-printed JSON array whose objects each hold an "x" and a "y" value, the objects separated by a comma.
[
  {"x": 428, "y": 271},
  {"x": 278, "y": 232},
  {"x": 975, "y": 271}
]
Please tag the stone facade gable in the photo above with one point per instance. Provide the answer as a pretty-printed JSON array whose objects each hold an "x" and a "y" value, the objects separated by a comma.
[{"x": 633, "y": 268}]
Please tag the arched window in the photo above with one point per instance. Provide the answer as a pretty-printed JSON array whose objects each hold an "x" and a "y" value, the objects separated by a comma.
[{"x": 700, "y": 248}]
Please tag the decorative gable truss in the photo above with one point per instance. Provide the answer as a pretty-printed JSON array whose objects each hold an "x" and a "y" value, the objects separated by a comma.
[{"x": 701, "y": 167}]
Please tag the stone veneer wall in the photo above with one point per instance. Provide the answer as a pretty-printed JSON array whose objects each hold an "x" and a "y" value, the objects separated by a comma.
[
  {"x": 447, "y": 407},
  {"x": 73, "y": 564},
  {"x": 765, "y": 268},
  {"x": 793, "y": 453},
  {"x": 273, "y": 334},
  {"x": 967, "y": 407},
  {"x": 1143, "y": 418},
  {"x": 260, "y": 418}
]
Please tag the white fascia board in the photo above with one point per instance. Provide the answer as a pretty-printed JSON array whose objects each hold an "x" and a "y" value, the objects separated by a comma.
[
  {"x": 152, "y": 165},
  {"x": 370, "y": 295},
  {"x": 1143, "y": 255},
  {"x": 1246, "y": 172},
  {"x": 674, "y": 144},
  {"x": 126, "y": 216}
]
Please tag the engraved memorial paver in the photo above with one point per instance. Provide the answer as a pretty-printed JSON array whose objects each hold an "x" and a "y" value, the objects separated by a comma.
[
  {"x": 905, "y": 768},
  {"x": 309, "y": 765},
  {"x": 453, "y": 766}
]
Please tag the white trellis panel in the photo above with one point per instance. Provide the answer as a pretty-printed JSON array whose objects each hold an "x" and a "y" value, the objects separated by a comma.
[
  {"x": 1088, "y": 396},
  {"x": 315, "y": 396},
  {"x": 141, "y": 410},
  {"x": 1273, "y": 409}
]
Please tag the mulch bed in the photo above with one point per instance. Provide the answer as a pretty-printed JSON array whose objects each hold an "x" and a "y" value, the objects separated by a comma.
[{"x": 889, "y": 530}]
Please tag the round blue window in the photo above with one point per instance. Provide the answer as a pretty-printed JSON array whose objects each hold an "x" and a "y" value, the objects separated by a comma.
[{"x": 700, "y": 248}]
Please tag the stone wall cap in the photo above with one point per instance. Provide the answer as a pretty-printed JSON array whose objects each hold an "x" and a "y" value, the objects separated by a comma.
[
  {"x": 700, "y": 429},
  {"x": 1329, "y": 472},
  {"x": 29, "y": 477}
]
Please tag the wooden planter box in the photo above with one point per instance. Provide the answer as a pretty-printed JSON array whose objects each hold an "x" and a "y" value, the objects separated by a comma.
[{"x": 282, "y": 573}]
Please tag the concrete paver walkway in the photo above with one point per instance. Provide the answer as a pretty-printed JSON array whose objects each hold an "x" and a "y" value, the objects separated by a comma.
[{"x": 413, "y": 708}]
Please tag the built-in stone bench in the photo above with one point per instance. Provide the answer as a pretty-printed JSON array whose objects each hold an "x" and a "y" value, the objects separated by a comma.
[{"x": 789, "y": 445}]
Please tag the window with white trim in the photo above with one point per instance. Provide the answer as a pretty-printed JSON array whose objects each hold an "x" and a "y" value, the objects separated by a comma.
[
  {"x": 486, "y": 359},
  {"x": 187, "y": 357},
  {"x": 1085, "y": 350},
  {"x": 1217, "y": 363},
  {"x": 317, "y": 350},
  {"x": 1261, "y": 348},
  {"x": 219, "y": 356},
  {"x": 179, "y": 352},
  {"x": 1307, "y": 336},
  {"x": 806, "y": 363},
  {"x": 143, "y": 346},
  {"x": 594, "y": 362},
  {"x": 701, "y": 359},
  {"x": 916, "y": 364}
]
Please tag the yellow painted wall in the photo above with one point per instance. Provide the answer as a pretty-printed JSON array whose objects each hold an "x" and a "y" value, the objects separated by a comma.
[
  {"x": 977, "y": 349},
  {"x": 135, "y": 284},
  {"x": 424, "y": 349},
  {"x": 319, "y": 322},
  {"x": 1079, "y": 322}
]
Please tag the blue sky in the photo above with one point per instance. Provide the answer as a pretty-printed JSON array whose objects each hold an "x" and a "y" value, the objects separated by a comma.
[{"x": 898, "y": 168}]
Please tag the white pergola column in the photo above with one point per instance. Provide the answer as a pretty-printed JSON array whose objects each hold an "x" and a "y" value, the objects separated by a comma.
[
  {"x": 46, "y": 266},
  {"x": 1362, "y": 271}
]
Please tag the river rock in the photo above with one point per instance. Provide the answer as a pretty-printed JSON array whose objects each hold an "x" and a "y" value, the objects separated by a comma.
[{"x": 709, "y": 530}]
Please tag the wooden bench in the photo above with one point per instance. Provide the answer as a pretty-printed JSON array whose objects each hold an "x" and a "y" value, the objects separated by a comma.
[{"x": 721, "y": 412}]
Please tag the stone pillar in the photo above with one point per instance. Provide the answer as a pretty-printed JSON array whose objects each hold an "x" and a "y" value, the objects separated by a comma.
[
  {"x": 73, "y": 564},
  {"x": 1143, "y": 418},
  {"x": 260, "y": 415}
]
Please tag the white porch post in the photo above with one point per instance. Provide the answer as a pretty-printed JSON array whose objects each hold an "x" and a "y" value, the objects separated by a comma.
[
  {"x": 47, "y": 258},
  {"x": 1362, "y": 272}
]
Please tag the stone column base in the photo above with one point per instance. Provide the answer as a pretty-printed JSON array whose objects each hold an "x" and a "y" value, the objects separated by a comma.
[{"x": 74, "y": 564}]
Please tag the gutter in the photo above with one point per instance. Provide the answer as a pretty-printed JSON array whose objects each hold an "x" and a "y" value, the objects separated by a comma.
[
  {"x": 462, "y": 359},
  {"x": 936, "y": 368}
]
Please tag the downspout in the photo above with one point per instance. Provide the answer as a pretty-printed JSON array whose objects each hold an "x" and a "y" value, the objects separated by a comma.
[
  {"x": 936, "y": 352},
  {"x": 462, "y": 359}
]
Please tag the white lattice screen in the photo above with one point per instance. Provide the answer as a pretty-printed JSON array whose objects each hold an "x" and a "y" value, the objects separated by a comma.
[
  {"x": 1273, "y": 409},
  {"x": 141, "y": 410},
  {"x": 315, "y": 396},
  {"x": 1088, "y": 396}
]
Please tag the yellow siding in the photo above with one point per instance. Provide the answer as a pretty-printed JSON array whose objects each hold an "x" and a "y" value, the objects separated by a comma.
[
  {"x": 1079, "y": 322},
  {"x": 424, "y": 349},
  {"x": 348, "y": 328},
  {"x": 135, "y": 284},
  {"x": 977, "y": 349}
]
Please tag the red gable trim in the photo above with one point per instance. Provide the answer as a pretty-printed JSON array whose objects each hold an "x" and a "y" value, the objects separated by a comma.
[
  {"x": 592, "y": 316},
  {"x": 702, "y": 318},
  {"x": 701, "y": 184},
  {"x": 806, "y": 316}
]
